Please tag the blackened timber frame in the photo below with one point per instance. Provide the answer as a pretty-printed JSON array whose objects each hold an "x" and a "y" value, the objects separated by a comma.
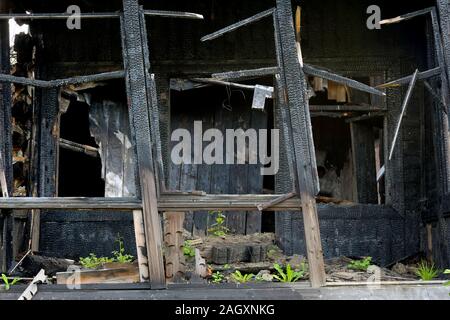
[
  {"x": 144, "y": 123},
  {"x": 143, "y": 119}
]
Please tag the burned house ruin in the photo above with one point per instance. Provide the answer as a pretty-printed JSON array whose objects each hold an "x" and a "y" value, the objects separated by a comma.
[{"x": 362, "y": 116}]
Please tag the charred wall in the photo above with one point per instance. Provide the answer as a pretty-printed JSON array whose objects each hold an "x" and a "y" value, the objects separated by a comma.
[{"x": 334, "y": 35}]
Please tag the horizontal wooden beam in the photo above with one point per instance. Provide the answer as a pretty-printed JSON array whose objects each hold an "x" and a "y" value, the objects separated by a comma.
[
  {"x": 406, "y": 80},
  {"x": 172, "y": 203},
  {"x": 99, "y": 15},
  {"x": 62, "y": 82},
  {"x": 343, "y": 107},
  {"x": 407, "y": 16},
  {"x": 324, "y": 74},
  {"x": 238, "y": 25}
]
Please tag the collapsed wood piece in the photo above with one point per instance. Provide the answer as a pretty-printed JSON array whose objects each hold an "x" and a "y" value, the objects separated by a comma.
[
  {"x": 282, "y": 198},
  {"x": 406, "y": 16},
  {"x": 224, "y": 83},
  {"x": 100, "y": 15},
  {"x": 314, "y": 71},
  {"x": 420, "y": 76},
  {"x": 77, "y": 147},
  {"x": 141, "y": 248},
  {"x": 238, "y": 25},
  {"x": 246, "y": 74},
  {"x": 201, "y": 268},
  {"x": 404, "y": 106},
  {"x": 32, "y": 289},
  {"x": 3, "y": 183},
  {"x": 62, "y": 82}
]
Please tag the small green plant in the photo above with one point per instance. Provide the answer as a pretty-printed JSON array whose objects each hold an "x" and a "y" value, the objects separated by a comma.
[
  {"x": 93, "y": 262},
  {"x": 289, "y": 275},
  {"x": 426, "y": 271},
  {"x": 226, "y": 267},
  {"x": 218, "y": 228},
  {"x": 8, "y": 284},
  {"x": 361, "y": 265},
  {"x": 188, "y": 249},
  {"x": 120, "y": 256},
  {"x": 217, "y": 277},
  {"x": 242, "y": 278}
]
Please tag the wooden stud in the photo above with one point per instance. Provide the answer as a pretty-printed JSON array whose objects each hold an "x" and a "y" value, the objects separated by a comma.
[
  {"x": 294, "y": 81},
  {"x": 141, "y": 248},
  {"x": 136, "y": 81}
]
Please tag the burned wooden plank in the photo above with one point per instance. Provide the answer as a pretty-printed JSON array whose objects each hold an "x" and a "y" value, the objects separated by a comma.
[
  {"x": 246, "y": 74},
  {"x": 3, "y": 183},
  {"x": 62, "y": 82},
  {"x": 420, "y": 76},
  {"x": 77, "y": 147},
  {"x": 314, "y": 71},
  {"x": 173, "y": 14},
  {"x": 406, "y": 16},
  {"x": 99, "y": 15},
  {"x": 141, "y": 248},
  {"x": 6, "y": 150},
  {"x": 282, "y": 198},
  {"x": 238, "y": 25},
  {"x": 119, "y": 275},
  {"x": 307, "y": 184},
  {"x": 224, "y": 83},
  {"x": 134, "y": 61},
  {"x": 404, "y": 106},
  {"x": 153, "y": 110},
  {"x": 175, "y": 203},
  {"x": 344, "y": 108}
]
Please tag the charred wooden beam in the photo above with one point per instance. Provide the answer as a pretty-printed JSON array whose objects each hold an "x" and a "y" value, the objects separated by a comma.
[
  {"x": 99, "y": 15},
  {"x": 420, "y": 76},
  {"x": 366, "y": 117},
  {"x": 62, "y": 82},
  {"x": 345, "y": 108},
  {"x": 314, "y": 71},
  {"x": 77, "y": 147},
  {"x": 404, "y": 106},
  {"x": 246, "y": 74},
  {"x": 238, "y": 25},
  {"x": 294, "y": 81},
  {"x": 3, "y": 183},
  {"x": 406, "y": 16},
  {"x": 224, "y": 83},
  {"x": 137, "y": 91}
]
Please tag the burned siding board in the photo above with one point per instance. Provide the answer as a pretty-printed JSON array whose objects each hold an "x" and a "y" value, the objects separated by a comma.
[
  {"x": 204, "y": 172},
  {"x": 236, "y": 221},
  {"x": 363, "y": 145},
  {"x": 255, "y": 179}
]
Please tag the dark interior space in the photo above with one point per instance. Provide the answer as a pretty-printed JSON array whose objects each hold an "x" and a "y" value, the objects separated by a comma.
[{"x": 79, "y": 174}]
